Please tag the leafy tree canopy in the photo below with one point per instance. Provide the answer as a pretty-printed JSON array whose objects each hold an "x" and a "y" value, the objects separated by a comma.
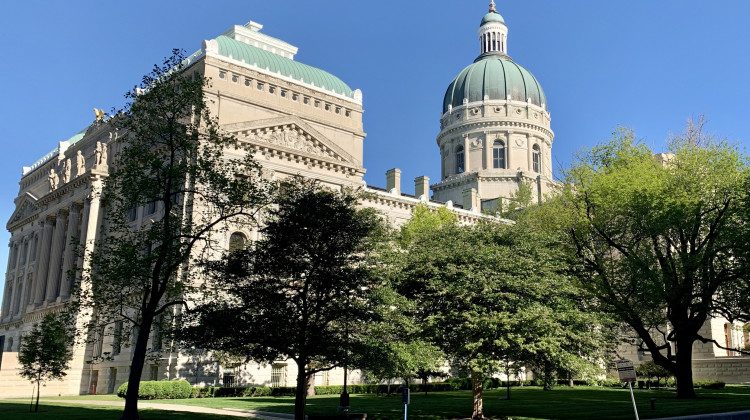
[
  {"x": 303, "y": 291},
  {"x": 662, "y": 238},
  {"x": 45, "y": 352}
]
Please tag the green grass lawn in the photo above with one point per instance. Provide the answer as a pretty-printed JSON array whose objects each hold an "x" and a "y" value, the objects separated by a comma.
[
  {"x": 16, "y": 410},
  {"x": 526, "y": 403}
]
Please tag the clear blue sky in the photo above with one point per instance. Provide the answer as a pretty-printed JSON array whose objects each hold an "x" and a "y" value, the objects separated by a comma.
[{"x": 644, "y": 64}]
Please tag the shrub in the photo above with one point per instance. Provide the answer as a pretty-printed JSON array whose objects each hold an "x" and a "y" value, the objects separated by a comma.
[
  {"x": 459, "y": 383},
  {"x": 151, "y": 390},
  {"x": 706, "y": 384}
]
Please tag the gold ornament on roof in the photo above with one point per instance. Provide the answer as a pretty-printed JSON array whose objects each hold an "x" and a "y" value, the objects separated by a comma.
[
  {"x": 99, "y": 114},
  {"x": 492, "y": 7}
]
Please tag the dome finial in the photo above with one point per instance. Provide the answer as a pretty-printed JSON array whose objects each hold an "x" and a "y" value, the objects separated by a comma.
[{"x": 492, "y": 6}]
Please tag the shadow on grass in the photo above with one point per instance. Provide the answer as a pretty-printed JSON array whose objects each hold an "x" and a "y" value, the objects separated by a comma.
[{"x": 20, "y": 411}]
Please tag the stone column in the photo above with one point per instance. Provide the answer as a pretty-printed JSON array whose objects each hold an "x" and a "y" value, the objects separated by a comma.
[
  {"x": 42, "y": 262},
  {"x": 13, "y": 307},
  {"x": 467, "y": 159},
  {"x": 90, "y": 225},
  {"x": 489, "y": 144},
  {"x": 6, "y": 298},
  {"x": 58, "y": 243},
  {"x": 69, "y": 251}
]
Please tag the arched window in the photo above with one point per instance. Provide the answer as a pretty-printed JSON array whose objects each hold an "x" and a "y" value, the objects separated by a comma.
[
  {"x": 537, "y": 156},
  {"x": 237, "y": 241},
  {"x": 459, "y": 159},
  {"x": 498, "y": 155}
]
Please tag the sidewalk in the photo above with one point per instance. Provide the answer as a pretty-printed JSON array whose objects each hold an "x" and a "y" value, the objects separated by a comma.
[
  {"x": 735, "y": 415},
  {"x": 230, "y": 412}
]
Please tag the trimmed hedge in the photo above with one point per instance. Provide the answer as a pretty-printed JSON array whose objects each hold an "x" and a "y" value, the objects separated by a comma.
[
  {"x": 153, "y": 390},
  {"x": 452, "y": 384},
  {"x": 709, "y": 384}
]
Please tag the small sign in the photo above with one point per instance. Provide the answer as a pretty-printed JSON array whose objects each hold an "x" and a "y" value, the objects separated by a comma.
[
  {"x": 405, "y": 396},
  {"x": 626, "y": 370}
]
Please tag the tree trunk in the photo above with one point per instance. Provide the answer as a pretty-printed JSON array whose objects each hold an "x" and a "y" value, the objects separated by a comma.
[
  {"x": 684, "y": 373},
  {"x": 300, "y": 394},
  {"x": 571, "y": 384},
  {"x": 136, "y": 368},
  {"x": 508, "y": 387},
  {"x": 38, "y": 384},
  {"x": 477, "y": 411},
  {"x": 311, "y": 386}
]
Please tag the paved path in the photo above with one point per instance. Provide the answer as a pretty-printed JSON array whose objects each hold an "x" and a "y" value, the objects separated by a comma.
[
  {"x": 735, "y": 415},
  {"x": 230, "y": 412}
]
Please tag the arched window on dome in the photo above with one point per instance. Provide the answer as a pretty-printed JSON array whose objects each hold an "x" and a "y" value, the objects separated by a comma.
[
  {"x": 498, "y": 155},
  {"x": 459, "y": 159},
  {"x": 537, "y": 158},
  {"x": 237, "y": 241}
]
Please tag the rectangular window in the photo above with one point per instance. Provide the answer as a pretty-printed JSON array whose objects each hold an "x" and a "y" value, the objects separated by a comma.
[
  {"x": 229, "y": 376},
  {"x": 498, "y": 158},
  {"x": 156, "y": 341},
  {"x": 117, "y": 339},
  {"x": 278, "y": 375},
  {"x": 154, "y": 372},
  {"x": 132, "y": 214},
  {"x": 98, "y": 344},
  {"x": 151, "y": 207},
  {"x": 112, "y": 380}
]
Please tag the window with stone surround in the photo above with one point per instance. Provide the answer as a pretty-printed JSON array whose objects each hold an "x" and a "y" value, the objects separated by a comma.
[
  {"x": 459, "y": 159},
  {"x": 498, "y": 155},
  {"x": 537, "y": 158}
]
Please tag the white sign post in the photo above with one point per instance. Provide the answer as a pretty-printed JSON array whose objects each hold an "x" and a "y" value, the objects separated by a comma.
[{"x": 626, "y": 370}]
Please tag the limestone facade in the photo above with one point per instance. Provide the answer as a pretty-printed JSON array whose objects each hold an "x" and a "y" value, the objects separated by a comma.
[{"x": 291, "y": 125}]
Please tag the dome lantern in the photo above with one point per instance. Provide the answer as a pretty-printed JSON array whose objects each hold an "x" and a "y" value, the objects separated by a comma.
[{"x": 493, "y": 33}]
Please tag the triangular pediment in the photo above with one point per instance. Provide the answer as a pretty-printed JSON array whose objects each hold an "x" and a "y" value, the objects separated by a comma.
[
  {"x": 291, "y": 134},
  {"x": 25, "y": 207}
]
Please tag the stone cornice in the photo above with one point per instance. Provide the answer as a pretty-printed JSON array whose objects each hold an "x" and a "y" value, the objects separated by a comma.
[{"x": 480, "y": 124}]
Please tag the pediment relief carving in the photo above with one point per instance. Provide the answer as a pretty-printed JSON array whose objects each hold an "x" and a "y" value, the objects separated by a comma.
[
  {"x": 26, "y": 207},
  {"x": 291, "y": 134}
]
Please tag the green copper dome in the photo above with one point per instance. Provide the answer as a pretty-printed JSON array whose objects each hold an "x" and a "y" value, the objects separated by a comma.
[
  {"x": 497, "y": 77},
  {"x": 240, "y": 51},
  {"x": 492, "y": 17}
]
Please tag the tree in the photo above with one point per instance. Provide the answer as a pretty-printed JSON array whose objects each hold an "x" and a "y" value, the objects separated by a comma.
[
  {"x": 45, "y": 352},
  {"x": 171, "y": 159},
  {"x": 302, "y": 291},
  {"x": 487, "y": 291},
  {"x": 649, "y": 369},
  {"x": 662, "y": 238}
]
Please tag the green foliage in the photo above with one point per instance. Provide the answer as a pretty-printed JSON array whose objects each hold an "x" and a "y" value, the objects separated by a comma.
[
  {"x": 158, "y": 390},
  {"x": 708, "y": 384},
  {"x": 423, "y": 220},
  {"x": 649, "y": 369},
  {"x": 45, "y": 352},
  {"x": 303, "y": 291},
  {"x": 490, "y": 292},
  {"x": 662, "y": 239},
  {"x": 170, "y": 157}
]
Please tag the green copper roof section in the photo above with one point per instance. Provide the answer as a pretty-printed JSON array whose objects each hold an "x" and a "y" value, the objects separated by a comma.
[
  {"x": 497, "y": 77},
  {"x": 274, "y": 63},
  {"x": 492, "y": 17}
]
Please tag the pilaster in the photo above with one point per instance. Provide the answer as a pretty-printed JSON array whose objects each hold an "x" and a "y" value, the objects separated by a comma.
[
  {"x": 42, "y": 263},
  {"x": 69, "y": 257},
  {"x": 58, "y": 243}
]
